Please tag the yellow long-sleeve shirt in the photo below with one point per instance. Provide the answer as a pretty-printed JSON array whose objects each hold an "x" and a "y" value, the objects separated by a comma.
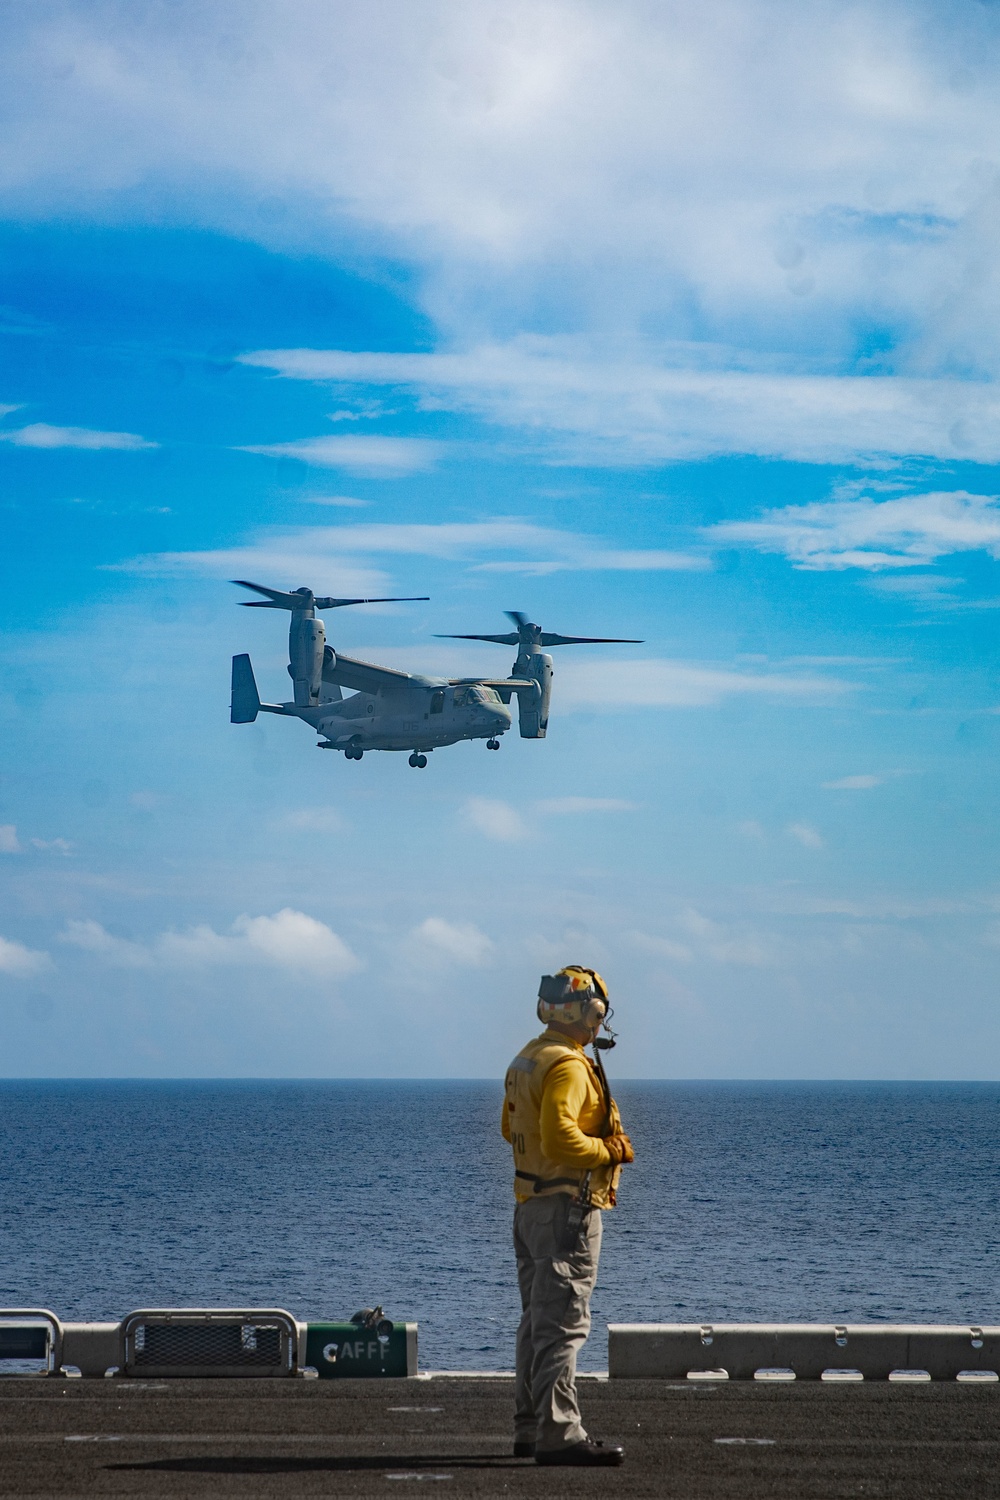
[{"x": 565, "y": 1112}]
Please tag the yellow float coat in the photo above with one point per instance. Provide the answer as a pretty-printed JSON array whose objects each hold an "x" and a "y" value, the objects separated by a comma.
[{"x": 554, "y": 1116}]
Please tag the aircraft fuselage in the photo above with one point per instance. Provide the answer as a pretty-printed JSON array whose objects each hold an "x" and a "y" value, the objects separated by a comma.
[{"x": 415, "y": 717}]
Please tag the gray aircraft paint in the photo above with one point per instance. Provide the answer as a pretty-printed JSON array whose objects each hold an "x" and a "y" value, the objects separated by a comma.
[{"x": 389, "y": 709}]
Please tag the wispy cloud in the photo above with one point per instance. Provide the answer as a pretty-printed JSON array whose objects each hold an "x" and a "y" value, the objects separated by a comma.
[
  {"x": 42, "y": 435},
  {"x": 313, "y": 820},
  {"x": 20, "y": 962},
  {"x": 696, "y": 936},
  {"x": 377, "y": 457},
  {"x": 457, "y": 942},
  {"x": 806, "y": 835},
  {"x": 289, "y": 939},
  {"x": 570, "y": 806},
  {"x": 647, "y": 407},
  {"x": 911, "y": 531},
  {"x": 341, "y": 502},
  {"x": 496, "y": 819},
  {"x": 505, "y": 543},
  {"x": 759, "y": 172},
  {"x": 658, "y": 683},
  {"x": 853, "y": 784},
  {"x": 9, "y": 841}
]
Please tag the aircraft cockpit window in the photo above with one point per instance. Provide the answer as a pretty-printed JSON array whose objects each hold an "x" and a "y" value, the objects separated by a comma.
[
  {"x": 437, "y": 702},
  {"x": 474, "y": 694}
]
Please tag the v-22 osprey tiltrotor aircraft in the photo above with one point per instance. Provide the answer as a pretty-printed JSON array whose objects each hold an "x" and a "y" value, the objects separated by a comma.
[{"x": 392, "y": 710}]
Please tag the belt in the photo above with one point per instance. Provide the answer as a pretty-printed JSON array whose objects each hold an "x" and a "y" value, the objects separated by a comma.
[{"x": 541, "y": 1183}]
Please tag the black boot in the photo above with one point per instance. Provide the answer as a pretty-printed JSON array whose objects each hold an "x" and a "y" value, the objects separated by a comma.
[{"x": 588, "y": 1453}]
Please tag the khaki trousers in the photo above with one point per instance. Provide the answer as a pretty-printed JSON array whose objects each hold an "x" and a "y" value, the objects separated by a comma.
[{"x": 555, "y": 1297}]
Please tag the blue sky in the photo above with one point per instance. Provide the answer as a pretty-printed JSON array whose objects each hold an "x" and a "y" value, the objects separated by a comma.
[{"x": 667, "y": 321}]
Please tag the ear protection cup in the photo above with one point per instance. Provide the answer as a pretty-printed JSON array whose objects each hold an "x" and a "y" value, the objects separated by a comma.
[{"x": 593, "y": 1012}]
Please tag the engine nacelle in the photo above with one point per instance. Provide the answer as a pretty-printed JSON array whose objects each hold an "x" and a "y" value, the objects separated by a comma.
[
  {"x": 533, "y": 714},
  {"x": 306, "y": 642}
]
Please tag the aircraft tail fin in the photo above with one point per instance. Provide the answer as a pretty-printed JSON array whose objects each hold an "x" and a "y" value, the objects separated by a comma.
[{"x": 245, "y": 705}]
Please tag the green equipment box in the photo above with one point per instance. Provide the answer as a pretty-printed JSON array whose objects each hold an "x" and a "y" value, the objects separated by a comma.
[{"x": 341, "y": 1351}]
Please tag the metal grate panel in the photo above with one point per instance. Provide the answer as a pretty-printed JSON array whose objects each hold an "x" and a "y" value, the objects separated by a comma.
[
  {"x": 195, "y": 1342},
  {"x": 206, "y": 1344}
]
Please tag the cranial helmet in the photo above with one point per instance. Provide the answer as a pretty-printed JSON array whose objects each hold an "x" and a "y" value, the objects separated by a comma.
[{"x": 574, "y": 994}]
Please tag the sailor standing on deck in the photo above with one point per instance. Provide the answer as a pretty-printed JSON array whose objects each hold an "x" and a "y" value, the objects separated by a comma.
[{"x": 566, "y": 1134}]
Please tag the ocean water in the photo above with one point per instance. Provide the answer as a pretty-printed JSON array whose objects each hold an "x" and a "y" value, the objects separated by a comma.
[{"x": 747, "y": 1201}]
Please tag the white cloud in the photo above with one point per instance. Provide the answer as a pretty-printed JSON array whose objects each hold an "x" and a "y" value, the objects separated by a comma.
[
  {"x": 301, "y": 551},
  {"x": 808, "y": 837},
  {"x": 911, "y": 531},
  {"x": 853, "y": 784},
  {"x": 146, "y": 801},
  {"x": 658, "y": 683},
  {"x": 460, "y": 942},
  {"x": 771, "y": 175},
  {"x": 646, "y": 406},
  {"x": 379, "y": 457},
  {"x": 661, "y": 947},
  {"x": 752, "y": 829},
  {"x": 497, "y": 820},
  {"x": 313, "y": 820},
  {"x": 344, "y": 502},
  {"x": 774, "y": 162},
  {"x": 41, "y": 435},
  {"x": 290, "y": 939},
  {"x": 938, "y": 590},
  {"x": 725, "y": 943},
  {"x": 568, "y": 806},
  {"x": 21, "y": 962},
  {"x": 11, "y": 844}
]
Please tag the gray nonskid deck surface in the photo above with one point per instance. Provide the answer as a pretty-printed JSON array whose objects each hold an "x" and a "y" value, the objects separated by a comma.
[{"x": 229, "y": 1437}]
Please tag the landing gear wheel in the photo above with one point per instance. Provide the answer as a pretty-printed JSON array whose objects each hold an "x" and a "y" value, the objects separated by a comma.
[
  {"x": 414, "y": 760},
  {"x": 421, "y": 761},
  {"x": 493, "y": 744},
  {"x": 352, "y": 753}
]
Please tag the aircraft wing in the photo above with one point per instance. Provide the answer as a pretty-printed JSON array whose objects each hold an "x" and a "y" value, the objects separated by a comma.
[
  {"x": 502, "y": 684},
  {"x": 366, "y": 677}
]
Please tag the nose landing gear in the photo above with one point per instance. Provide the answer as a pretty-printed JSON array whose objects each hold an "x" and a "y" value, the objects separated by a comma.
[
  {"x": 418, "y": 761},
  {"x": 493, "y": 744}
]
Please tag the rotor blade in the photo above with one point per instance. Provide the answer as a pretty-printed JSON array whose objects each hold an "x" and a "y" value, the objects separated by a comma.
[
  {"x": 588, "y": 640},
  {"x": 499, "y": 640},
  {"x": 520, "y": 619},
  {"x": 275, "y": 598},
  {"x": 326, "y": 603}
]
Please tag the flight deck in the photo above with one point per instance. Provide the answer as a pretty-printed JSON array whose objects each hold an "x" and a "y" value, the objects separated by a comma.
[{"x": 689, "y": 1440}]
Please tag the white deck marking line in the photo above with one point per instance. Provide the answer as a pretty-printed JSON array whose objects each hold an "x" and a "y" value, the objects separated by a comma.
[{"x": 750, "y": 1442}]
